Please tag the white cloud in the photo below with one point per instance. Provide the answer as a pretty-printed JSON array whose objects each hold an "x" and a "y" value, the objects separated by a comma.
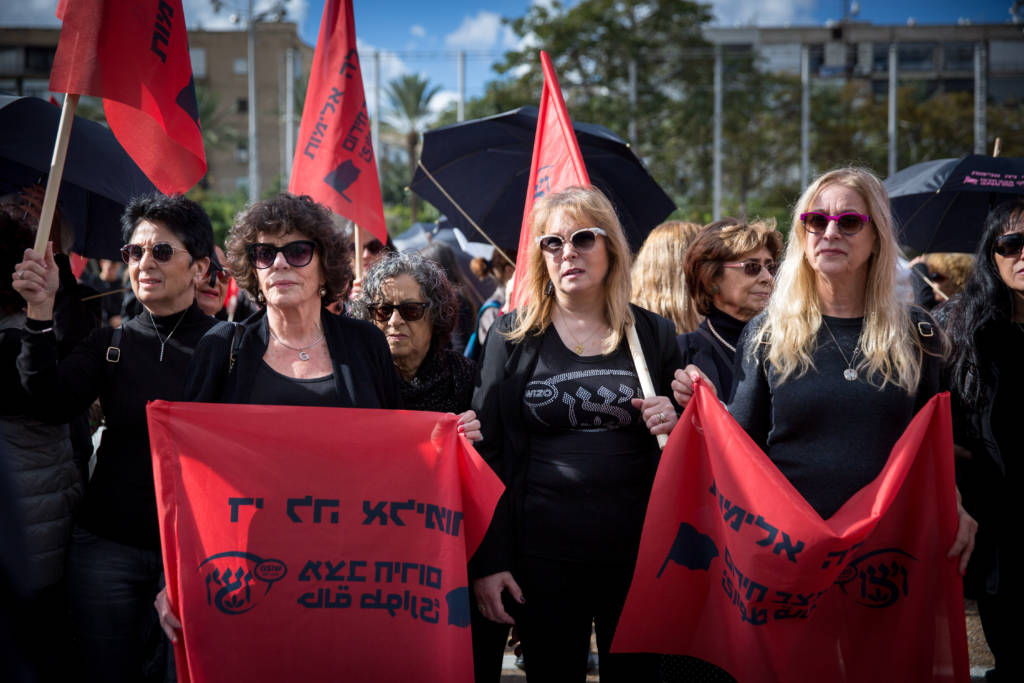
[
  {"x": 417, "y": 30},
  {"x": 763, "y": 12},
  {"x": 199, "y": 14},
  {"x": 391, "y": 67},
  {"x": 484, "y": 31},
  {"x": 29, "y": 13}
]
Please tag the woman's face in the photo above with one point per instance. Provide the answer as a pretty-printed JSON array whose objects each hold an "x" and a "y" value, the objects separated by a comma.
[
  {"x": 831, "y": 253},
  {"x": 287, "y": 286},
  {"x": 409, "y": 341},
  {"x": 741, "y": 295},
  {"x": 1011, "y": 270},
  {"x": 163, "y": 287},
  {"x": 575, "y": 272},
  {"x": 211, "y": 298}
]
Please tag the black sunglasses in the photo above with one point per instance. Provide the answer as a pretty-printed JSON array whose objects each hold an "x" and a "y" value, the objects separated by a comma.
[
  {"x": 1010, "y": 244},
  {"x": 583, "y": 239},
  {"x": 753, "y": 268},
  {"x": 162, "y": 252},
  {"x": 297, "y": 254},
  {"x": 411, "y": 311},
  {"x": 848, "y": 222}
]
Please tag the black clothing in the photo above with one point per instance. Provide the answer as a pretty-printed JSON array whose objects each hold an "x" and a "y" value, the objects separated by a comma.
[
  {"x": 109, "y": 304},
  {"x": 463, "y": 325},
  {"x": 120, "y": 503},
  {"x": 443, "y": 383},
  {"x": 703, "y": 349},
  {"x": 364, "y": 375},
  {"x": 272, "y": 388},
  {"x": 587, "y": 440},
  {"x": 828, "y": 449}
]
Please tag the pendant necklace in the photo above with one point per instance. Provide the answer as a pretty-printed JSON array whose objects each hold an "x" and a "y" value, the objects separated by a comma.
[
  {"x": 166, "y": 339},
  {"x": 719, "y": 337},
  {"x": 849, "y": 373},
  {"x": 578, "y": 348},
  {"x": 301, "y": 349}
]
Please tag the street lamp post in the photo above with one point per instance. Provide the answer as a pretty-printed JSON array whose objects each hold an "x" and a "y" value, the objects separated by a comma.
[{"x": 254, "y": 169}]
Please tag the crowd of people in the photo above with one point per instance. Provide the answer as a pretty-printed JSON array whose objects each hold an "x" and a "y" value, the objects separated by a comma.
[{"x": 820, "y": 343}]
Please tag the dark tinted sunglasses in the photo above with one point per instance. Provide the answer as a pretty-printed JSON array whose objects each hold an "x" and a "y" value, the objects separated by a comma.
[
  {"x": 297, "y": 254},
  {"x": 411, "y": 311},
  {"x": 215, "y": 273},
  {"x": 849, "y": 223},
  {"x": 753, "y": 268},
  {"x": 1010, "y": 244},
  {"x": 583, "y": 239},
  {"x": 162, "y": 252}
]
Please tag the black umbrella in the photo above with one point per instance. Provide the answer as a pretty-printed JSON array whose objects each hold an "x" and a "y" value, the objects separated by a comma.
[
  {"x": 484, "y": 166},
  {"x": 941, "y": 205},
  {"x": 99, "y": 176}
]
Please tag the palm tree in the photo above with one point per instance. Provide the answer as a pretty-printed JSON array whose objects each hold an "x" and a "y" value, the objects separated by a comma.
[{"x": 410, "y": 98}]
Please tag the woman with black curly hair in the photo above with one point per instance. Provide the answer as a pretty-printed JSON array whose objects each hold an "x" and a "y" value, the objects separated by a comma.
[{"x": 986, "y": 324}]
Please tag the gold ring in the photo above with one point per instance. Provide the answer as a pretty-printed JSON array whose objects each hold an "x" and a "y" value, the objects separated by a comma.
[{"x": 661, "y": 417}]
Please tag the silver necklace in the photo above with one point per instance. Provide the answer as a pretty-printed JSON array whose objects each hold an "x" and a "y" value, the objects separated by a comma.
[
  {"x": 168, "y": 337},
  {"x": 719, "y": 337},
  {"x": 301, "y": 349},
  {"x": 849, "y": 373}
]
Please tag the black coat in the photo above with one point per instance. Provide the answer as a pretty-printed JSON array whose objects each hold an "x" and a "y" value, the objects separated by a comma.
[
  {"x": 363, "y": 369},
  {"x": 505, "y": 369}
]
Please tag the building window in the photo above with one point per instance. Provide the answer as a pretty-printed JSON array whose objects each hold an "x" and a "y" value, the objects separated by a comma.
[
  {"x": 880, "y": 58},
  {"x": 39, "y": 59},
  {"x": 197, "y": 55},
  {"x": 11, "y": 60},
  {"x": 242, "y": 105},
  {"x": 242, "y": 152},
  {"x": 917, "y": 56},
  {"x": 240, "y": 65}
]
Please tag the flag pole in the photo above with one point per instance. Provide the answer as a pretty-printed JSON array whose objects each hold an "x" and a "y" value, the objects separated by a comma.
[
  {"x": 60, "y": 152},
  {"x": 357, "y": 248},
  {"x": 642, "y": 372}
]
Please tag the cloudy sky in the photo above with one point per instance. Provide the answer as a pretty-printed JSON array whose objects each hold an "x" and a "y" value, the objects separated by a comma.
[{"x": 420, "y": 37}]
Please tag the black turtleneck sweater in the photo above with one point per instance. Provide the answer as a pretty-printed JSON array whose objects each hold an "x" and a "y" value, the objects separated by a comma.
[
  {"x": 120, "y": 503},
  {"x": 705, "y": 350}
]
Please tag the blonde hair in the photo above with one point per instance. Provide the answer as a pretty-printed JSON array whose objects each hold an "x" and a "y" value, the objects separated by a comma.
[
  {"x": 657, "y": 279},
  {"x": 588, "y": 207},
  {"x": 956, "y": 266},
  {"x": 889, "y": 345}
]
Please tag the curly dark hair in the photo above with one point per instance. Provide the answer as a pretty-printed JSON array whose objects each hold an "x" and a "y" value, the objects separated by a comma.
[
  {"x": 15, "y": 237},
  {"x": 438, "y": 291},
  {"x": 182, "y": 216},
  {"x": 724, "y": 240},
  {"x": 984, "y": 299},
  {"x": 278, "y": 216}
]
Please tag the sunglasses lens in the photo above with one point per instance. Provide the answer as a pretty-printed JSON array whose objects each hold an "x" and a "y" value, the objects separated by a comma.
[
  {"x": 552, "y": 243},
  {"x": 163, "y": 252},
  {"x": 298, "y": 254},
  {"x": 584, "y": 240},
  {"x": 382, "y": 312},
  {"x": 410, "y": 312},
  {"x": 850, "y": 223},
  {"x": 815, "y": 222},
  {"x": 1010, "y": 245},
  {"x": 772, "y": 268},
  {"x": 261, "y": 255},
  {"x": 126, "y": 253}
]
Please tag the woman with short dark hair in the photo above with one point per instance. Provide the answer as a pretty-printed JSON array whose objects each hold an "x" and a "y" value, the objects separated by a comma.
[{"x": 114, "y": 564}]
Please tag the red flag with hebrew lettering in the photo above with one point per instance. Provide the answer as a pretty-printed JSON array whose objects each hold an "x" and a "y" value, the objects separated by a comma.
[
  {"x": 134, "y": 55},
  {"x": 334, "y": 161},
  {"x": 305, "y": 544},
  {"x": 736, "y": 568},
  {"x": 557, "y": 161}
]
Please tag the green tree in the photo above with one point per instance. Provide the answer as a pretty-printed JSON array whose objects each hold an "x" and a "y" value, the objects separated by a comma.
[{"x": 409, "y": 96}]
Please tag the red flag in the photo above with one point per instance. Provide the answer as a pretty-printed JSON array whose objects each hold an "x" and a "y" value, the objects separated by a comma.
[
  {"x": 134, "y": 55},
  {"x": 334, "y": 162},
  {"x": 305, "y": 544},
  {"x": 737, "y": 569},
  {"x": 557, "y": 161}
]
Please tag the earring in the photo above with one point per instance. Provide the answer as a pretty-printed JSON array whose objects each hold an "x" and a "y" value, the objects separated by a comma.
[
  {"x": 259, "y": 298},
  {"x": 322, "y": 291},
  {"x": 549, "y": 289}
]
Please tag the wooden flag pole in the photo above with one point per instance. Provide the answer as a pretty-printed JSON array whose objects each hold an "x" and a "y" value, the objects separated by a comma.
[
  {"x": 642, "y": 372},
  {"x": 997, "y": 147},
  {"x": 60, "y": 152},
  {"x": 358, "y": 249}
]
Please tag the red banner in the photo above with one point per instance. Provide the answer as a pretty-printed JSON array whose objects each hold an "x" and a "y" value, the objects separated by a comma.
[
  {"x": 305, "y": 544},
  {"x": 557, "y": 161},
  {"x": 737, "y": 569},
  {"x": 134, "y": 55},
  {"x": 334, "y": 162}
]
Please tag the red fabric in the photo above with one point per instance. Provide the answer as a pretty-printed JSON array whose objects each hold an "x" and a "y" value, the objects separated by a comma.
[
  {"x": 134, "y": 55},
  {"x": 78, "y": 264},
  {"x": 737, "y": 569},
  {"x": 305, "y": 544},
  {"x": 557, "y": 161},
  {"x": 334, "y": 161}
]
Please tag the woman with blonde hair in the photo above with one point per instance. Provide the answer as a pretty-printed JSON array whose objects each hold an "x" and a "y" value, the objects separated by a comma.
[
  {"x": 657, "y": 281},
  {"x": 831, "y": 374},
  {"x": 566, "y": 428}
]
